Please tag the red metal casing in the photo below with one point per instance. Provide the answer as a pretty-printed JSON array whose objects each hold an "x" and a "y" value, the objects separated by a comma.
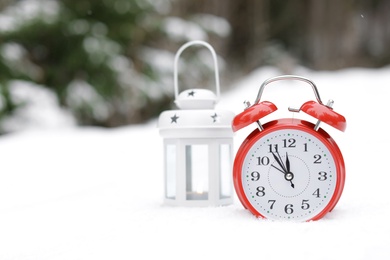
[{"x": 290, "y": 124}]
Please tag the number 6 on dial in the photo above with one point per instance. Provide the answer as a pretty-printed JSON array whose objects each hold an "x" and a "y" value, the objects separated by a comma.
[{"x": 289, "y": 169}]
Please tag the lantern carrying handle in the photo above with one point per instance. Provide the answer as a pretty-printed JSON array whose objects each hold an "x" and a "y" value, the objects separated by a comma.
[
  {"x": 288, "y": 77},
  {"x": 179, "y": 52}
]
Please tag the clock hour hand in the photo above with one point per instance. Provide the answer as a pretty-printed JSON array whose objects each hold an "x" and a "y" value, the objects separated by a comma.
[{"x": 279, "y": 161}]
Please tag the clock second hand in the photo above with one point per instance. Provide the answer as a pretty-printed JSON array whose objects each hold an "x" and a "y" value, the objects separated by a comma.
[
  {"x": 287, "y": 174},
  {"x": 278, "y": 169}
]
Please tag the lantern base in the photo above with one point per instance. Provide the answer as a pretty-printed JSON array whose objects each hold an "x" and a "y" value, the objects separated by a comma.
[{"x": 198, "y": 200}]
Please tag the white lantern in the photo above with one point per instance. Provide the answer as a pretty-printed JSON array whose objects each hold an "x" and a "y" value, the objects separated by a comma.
[{"x": 198, "y": 145}]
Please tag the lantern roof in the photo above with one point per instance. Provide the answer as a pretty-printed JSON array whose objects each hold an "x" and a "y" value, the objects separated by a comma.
[
  {"x": 196, "y": 99},
  {"x": 195, "y": 122}
]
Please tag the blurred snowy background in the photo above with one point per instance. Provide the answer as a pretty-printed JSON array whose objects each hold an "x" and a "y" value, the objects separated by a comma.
[
  {"x": 109, "y": 63},
  {"x": 82, "y": 83}
]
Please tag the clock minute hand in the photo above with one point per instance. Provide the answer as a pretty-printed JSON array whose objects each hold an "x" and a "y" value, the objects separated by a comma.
[
  {"x": 279, "y": 161},
  {"x": 286, "y": 171},
  {"x": 289, "y": 175}
]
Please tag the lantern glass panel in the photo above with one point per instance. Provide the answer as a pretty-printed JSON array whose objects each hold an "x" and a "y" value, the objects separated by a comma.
[
  {"x": 225, "y": 170},
  {"x": 197, "y": 171},
  {"x": 170, "y": 188}
]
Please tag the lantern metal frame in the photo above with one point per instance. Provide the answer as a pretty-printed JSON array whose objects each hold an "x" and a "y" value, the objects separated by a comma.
[{"x": 193, "y": 126}]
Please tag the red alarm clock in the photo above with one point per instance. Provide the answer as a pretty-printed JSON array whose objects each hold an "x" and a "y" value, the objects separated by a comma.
[{"x": 289, "y": 169}]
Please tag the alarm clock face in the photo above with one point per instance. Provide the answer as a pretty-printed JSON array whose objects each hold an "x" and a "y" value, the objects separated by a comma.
[{"x": 288, "y": 174}]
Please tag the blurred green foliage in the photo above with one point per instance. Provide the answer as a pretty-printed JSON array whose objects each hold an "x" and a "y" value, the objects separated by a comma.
[
  {"x": 110, "y": 62},
  {"x": 84, "y": 43}
]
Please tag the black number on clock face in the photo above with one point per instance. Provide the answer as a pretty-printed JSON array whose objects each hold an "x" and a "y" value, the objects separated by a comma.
[
  {"x": 289, "y": 174},
  {"x": 290, "y": 143},
  {"x": 263, "y": 160},
  {"x": 255, "y": 176}
]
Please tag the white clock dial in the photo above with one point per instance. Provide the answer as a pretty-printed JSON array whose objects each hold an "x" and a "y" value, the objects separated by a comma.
[{"x": 289, "y": 174}]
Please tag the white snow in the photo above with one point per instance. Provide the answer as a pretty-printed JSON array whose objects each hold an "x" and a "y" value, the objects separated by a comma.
[
  {"x": 38, "y": 108},
  {"x": 214, "y": 24},
  {"x": 91, "y": 193},
  {"x": 179, "y": 29},
  {"x": 24, "y": 12},
  {"x": 16, "y": 58},
  {"x": 81, "y": 94}
]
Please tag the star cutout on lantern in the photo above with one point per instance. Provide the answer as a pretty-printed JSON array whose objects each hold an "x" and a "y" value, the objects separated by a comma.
[
  {"x": 174, "y": 119},
  {"x": 191, "y": 94},
  {"x": 215, "y": 117}
]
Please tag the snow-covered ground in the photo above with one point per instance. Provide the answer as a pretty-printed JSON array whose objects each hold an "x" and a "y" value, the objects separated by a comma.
[{"x": 91, "y": 193}]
